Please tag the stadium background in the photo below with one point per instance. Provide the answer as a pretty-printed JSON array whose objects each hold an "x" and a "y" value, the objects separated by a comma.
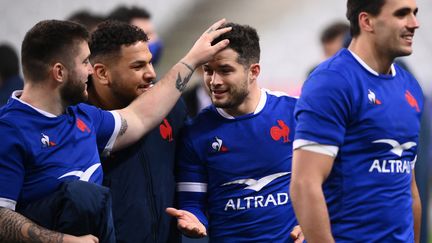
[{"x": 289, "y": 31}]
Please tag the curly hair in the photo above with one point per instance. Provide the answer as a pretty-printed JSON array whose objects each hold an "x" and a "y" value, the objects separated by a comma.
[
  {"x": 110, "y": 36},
  {"x": 50, "y": 41},
  {"x": 244, "y": 40}
]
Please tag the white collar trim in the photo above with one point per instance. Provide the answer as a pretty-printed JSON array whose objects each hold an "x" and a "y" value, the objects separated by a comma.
[
  {"x": 260, "y": 106},
  {"x": 392, "y": 68},
  {"x": 18, "y": 93}
]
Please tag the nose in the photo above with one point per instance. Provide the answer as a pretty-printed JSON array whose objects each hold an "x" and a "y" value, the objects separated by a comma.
[
  {"x": 413, "y": 22},
  {"x": 90, "y": 69},
  {"x": 215, "y": 79},
  {"x": 149, "y": 73}
]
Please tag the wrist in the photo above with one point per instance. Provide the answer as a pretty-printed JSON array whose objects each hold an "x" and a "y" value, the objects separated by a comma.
[
  {"x": 68, "y": 238},
  {"x": 189, "y": 63},
  {"x": 188, "y": 66}
]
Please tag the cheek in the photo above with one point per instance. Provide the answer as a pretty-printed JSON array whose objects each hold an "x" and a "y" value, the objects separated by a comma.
[{"x": 207, "y": 80}]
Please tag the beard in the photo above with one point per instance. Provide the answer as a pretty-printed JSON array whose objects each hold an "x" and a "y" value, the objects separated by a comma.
[
  {"x": 73, "y": 91},
  {"x": 235, "y": 99}
]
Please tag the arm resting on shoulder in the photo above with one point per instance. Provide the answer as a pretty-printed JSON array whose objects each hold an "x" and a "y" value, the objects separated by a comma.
[{"x": 149, "y": 109}]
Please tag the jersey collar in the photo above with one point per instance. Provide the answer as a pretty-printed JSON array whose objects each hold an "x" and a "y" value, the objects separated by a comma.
[
  {"x": 392, "y": 68},
  {"x": 260, "y": 106},
  {"x": 17, "y": 93}
]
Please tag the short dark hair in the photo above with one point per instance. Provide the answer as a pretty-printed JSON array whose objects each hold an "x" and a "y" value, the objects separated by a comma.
[
  {"x": 84, "y": 17},
  {"x": 110, "y": 36},
  {"x": 244, "y": 40},
  {"x": 355, "y": 7},
  {"x": 50, "y": 41},
  {"x": 333, "y": 31},
  {"x": 9, "y": 63},
  {"x": 126, "y": 14}
]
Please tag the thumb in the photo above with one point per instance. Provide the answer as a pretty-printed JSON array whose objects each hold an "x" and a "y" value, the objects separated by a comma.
[{"x": 173, "y": 212}]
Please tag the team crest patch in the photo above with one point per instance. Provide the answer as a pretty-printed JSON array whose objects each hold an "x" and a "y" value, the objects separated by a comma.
[{"x": 280, "y": 131}]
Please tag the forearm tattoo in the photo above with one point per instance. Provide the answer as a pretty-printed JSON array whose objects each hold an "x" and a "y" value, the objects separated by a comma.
[
  {"x": 16, "y": 228},
  {"x": 181, "y": 82},
  {"x": 188, "y": 66},
  {"x": 123, "y": 126}
]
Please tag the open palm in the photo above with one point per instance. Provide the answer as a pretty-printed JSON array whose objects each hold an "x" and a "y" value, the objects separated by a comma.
[{"x": 188, "y": 223}]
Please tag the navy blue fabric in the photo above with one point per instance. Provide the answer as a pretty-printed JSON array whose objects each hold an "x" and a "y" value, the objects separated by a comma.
[
  {"x": 77, "y": 208},
  {"x": 142, "y": 184}
]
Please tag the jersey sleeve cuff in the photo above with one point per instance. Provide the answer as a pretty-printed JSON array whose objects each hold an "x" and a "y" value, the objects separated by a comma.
[
  {"x": 111, "y": 141},
  {"x": 7, "y": 203},
  {"x": 312, "y": 146}
]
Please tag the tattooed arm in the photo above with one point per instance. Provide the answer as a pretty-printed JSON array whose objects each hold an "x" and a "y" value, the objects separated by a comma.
[
  {"x": 144, "y": 113},
  {"x": 16, "y": 228}
]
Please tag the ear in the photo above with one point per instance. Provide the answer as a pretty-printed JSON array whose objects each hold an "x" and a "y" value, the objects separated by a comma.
[
  {"x": 59, "y": 72},
  {"x": 254, "y": 71},
  {"x": 366, "y": 22},
  {"x": 101, "y": 74}
]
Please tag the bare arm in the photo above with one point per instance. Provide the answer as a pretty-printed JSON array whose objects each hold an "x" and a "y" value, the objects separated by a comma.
[
  {"x": 417, "y": 208},
  {"x": 16, "y": 228},
  {"x": 150, "y": 108},
  {"x": 309, "y": 171}
]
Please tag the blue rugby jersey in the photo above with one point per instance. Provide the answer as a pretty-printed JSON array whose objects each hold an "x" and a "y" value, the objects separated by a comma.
[
  {"x": 374, "y": 120},
  {"x": 237, "y": 171},
  {"x": 41, "y": 150}
]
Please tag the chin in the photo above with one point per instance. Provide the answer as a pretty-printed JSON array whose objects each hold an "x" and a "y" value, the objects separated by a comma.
[{"x": 404, "y": 52}]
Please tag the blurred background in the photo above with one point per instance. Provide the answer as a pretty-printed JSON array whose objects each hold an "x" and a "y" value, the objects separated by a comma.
[{"x": 290, "y": 33}]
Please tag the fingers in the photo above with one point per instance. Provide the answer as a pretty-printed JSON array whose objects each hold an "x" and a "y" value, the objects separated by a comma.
[
  {"x": 173, "y": 212},
  {"x": 221, "y": 44},
  {"x": 297, "y": 234},
  {"x": 215, "y": 25},
  {"x": 95, "y": 239},
  {"x": 214, "y": 32},
  {"x": 192, "y": 230}
]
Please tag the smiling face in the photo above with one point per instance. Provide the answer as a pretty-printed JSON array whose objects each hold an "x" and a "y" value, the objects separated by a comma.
[
  {"x": 74, "y": 89},
  {"x": 230, "y": 83},
  {"x": 394, "y": 27},
  {"x": 132, "y": 74}
]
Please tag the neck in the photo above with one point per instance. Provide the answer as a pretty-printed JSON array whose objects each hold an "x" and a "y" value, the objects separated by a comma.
[
  {"x": 248, "y": 106},
  {"x": 44, "y": 97},
  {"x": 371, "y": 55},
  {"x": 103, "y": 99}
]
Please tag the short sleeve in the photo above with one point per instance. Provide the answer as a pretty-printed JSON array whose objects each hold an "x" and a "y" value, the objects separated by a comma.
[
  {"x": 323, "y": 109},
  {"x": 12, "y": 158},
  {"x": 106, "y": 124}
]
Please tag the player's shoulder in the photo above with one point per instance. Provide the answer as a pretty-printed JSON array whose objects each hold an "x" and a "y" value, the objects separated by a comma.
[
  {"x": 205, "y": 115},
  {"x": 339, "y": 67},
  {"x": 280, "y": 96}
]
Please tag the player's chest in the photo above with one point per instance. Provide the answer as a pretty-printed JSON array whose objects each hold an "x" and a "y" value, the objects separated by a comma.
[
  {"x": 250, "y": 145},
  {"x": 388, "y": 110}
]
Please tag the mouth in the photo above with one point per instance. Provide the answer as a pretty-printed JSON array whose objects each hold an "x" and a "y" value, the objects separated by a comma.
[
  {"x": 408, "y": 38},
  {"x": 217, "y": 93},
  {"x": 145, "y": 87}
]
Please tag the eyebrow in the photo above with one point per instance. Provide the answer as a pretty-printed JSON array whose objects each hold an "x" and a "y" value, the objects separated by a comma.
[
  {"x": 405, "y": 10},
  {"x": 139, "y": 62}
]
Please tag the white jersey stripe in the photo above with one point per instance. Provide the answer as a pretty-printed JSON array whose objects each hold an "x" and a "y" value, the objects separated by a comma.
[
  {"x": 191, "y": 187},
  {"x": 7, "y": 203}
]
